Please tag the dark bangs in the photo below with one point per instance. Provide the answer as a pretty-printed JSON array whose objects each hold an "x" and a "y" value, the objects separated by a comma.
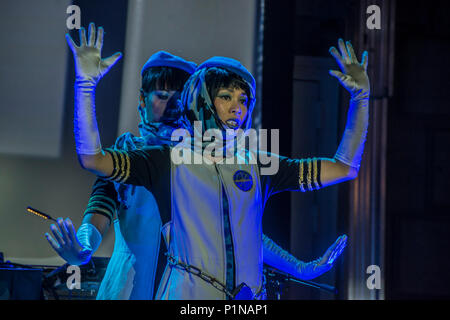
[
  {"x": 164, "y": 78},
  {"x": 217, "y": 78}
]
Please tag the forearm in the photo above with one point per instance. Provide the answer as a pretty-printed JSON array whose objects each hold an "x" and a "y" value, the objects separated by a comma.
[
  {"x": 98, "y": 220},
  {"x": 102, "y": 205},
  {"x": 100, "y": 211},
  {"x": 351, "y": 147},
  {"x": 346, "y": 162},
  {"x": 87, "y": 137},
  {"x": 282, "y": 260},
  {"x": 334, "y": 171},
  {"x": 100, "y": 164},
  {"x": 91, "y": 231}
]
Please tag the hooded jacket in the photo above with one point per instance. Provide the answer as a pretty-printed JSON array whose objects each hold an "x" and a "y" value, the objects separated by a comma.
[{"x": 194, "y": 199}]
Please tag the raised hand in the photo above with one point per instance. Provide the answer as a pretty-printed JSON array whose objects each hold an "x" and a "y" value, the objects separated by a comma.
[
  {"x": 66, "y": 244},
  {"x": 334, "y": 251},
  {"x": 354, "y": 74},
  {"x": 89, "y": 65},
  {"x": 313, "y": 269}
]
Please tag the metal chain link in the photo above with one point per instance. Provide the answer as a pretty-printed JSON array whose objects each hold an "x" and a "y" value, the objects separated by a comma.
[{"x": 201, "y": 274}]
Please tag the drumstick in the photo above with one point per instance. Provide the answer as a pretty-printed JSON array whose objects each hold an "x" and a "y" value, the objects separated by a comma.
[{"x": 39, "y": 214}]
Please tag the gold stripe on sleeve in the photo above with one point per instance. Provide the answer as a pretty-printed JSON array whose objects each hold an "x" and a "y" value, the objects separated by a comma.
[
  {"x": 96, "y": 203},
  {"x": 122, "y": 167},
  {"x": 127, "y": 168},
  {"x": 116, "y": 162},
  {"x": 302, "y": 189},
  {"x": 316, "y": 184}
]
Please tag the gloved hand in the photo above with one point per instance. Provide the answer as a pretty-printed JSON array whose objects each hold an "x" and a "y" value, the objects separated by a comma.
[
  {"x": 76, "y": 249},
  {"x": 356, "y": 81},
  {"x": 89, "y": 66},
  {"x": 278, "y": 258},
  {"x": 89, "y": 69},
  {"x": 320, "y": 266},
  {"x": 354, "y": 77}
]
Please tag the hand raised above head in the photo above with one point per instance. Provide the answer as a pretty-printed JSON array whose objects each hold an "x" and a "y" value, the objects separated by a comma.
[
  {"x": 354, "y": 74},
  {"x": 89, "y": 65}
]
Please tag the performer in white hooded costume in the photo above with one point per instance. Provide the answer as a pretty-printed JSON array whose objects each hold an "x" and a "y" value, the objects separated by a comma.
[{"x": 131, "y": 271}]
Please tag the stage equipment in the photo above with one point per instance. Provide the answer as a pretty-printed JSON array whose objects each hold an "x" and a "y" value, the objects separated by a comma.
[{"x": 276, "y": 280}]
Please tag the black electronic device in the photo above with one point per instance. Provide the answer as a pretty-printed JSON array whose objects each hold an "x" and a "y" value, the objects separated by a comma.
[{"x": 18, "y": 283}]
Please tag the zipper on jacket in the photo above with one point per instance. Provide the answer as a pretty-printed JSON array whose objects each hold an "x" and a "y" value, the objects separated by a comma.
[{"x": 228, "y": 247}]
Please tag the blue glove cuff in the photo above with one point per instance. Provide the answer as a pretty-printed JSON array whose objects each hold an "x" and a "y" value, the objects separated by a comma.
[{"x": 89, "y": 237}]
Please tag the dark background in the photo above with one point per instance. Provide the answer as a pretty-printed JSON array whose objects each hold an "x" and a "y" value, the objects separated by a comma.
[{"x": 417, "y": 200}]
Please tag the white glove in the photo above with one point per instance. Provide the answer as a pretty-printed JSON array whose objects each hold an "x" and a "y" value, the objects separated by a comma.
[
  {"x": 311, "y": 270},
  {"x": 356, "y": 81},
  {"x": 76, "y": 249},
  {"x": 278, "y": 258},
  {"x": 89, "y": 69}
]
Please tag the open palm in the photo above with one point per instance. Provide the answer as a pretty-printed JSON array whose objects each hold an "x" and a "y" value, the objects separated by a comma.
[
  {"x": 354, "y": 74},
  {"x": 88, "y": 62},
  {"x": 66, "y": 243},
  {"x": 333, "y": 252}
]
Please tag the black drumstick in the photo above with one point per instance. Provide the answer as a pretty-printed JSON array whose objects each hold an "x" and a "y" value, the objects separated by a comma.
[{"x": 40, "y": 214}]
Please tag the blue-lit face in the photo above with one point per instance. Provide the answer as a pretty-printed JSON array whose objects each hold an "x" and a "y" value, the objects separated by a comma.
[
  {"x": 155, "y": 103},
  {"x": 231, "y": 106}
]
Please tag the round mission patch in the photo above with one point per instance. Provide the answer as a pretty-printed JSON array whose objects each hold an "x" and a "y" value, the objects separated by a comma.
[{"x": 243, "y": 180}]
